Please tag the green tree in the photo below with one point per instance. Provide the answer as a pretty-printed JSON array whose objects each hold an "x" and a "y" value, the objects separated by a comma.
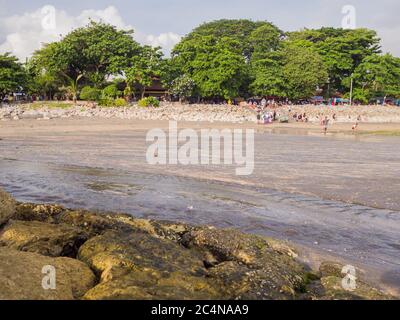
[
  {"x": 342, "y": 50},
  {"x": 42, "y": 81},
  {"x": 183, "y": 87},
  {"x": 303, "y": 71},
  {"x": 239, "y": 30},
  {"x": 96, "y": 52},
  {"x": 294, "y": 72},
  {"x": 216, "y": 65},
  {"x": 44, "y": 84},
  {"x": 143, "y": 68},
  {"x": 13, "y": 76},
  {"x": 266, "y": 63},
  {"x": 111, "y": 91},
  {"x": 90, "y": 94},
  {"x": 377, "y": 75},
  {"x": 268, "y": 77},
  {"x": 265, "y": 39},
  {"x": 72, "y": 87}
]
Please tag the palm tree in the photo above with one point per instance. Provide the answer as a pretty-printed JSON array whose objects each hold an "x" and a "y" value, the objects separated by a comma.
[{"x": 73, "y": 87}]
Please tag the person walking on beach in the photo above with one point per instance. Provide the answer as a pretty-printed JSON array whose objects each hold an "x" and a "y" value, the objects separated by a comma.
[
  {"x": 355, "y": 126},
  {"x": 263, "y": 103},
  {"x": 325, "y": 123},
  {"x": 259, "y": 116}
]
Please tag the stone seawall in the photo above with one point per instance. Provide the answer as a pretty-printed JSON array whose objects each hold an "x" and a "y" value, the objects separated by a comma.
[{"x": 200, "y": 113}]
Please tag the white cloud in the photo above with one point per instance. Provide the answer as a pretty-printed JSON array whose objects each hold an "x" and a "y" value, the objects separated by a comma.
[
  {"x": 165, "y": 40},
  {"x": 25, "y": 33}
]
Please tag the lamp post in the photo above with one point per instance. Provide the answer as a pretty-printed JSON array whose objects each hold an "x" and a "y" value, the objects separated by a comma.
[
  {"x": 329, "y": 88},
  {"x": 351, "y": 89}
]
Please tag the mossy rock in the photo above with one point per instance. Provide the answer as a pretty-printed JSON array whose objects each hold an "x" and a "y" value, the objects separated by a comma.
[
  {"x": 333, "y": 290},
  {"x": 136, "y": 265},
  {"x": 329, "y": 268},
  {"x": 147, "y": 259},
  {"x": 156, "y": 285},
  {"x": 37, "y": 212},
  {"x": 98, "y": 223},
  {"x": 54, "y": 240},
  {"x": 21, "y": 276},
  {"x": 7, "y": 207},
  {"x": 250, "y": 267}
]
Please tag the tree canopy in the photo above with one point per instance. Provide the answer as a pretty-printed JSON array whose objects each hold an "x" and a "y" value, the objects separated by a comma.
[
  {"x": 94, "y": 52},
  {"x": 342, "y": 50},
  {"x": 222, "y": 59},
  {"x": 293, "y": 72},
  {"x": 12, "y": 75},
  {"x": 216, "y": 65},
  {"x": 378, "y": 75},
  {"x": 243, "y": 31}
]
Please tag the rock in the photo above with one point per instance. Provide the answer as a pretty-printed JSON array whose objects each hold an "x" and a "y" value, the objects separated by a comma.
[
  {"x": 96, "y": 224},
  {"x": 136, "y": 265},
  {"x": 36, "y": 212},
  {"x": 249, "y": 266},
  {"x": 93, "y": 224},
  {"x": 155, "y": 285},
  {"x": 43, "y": 238},
  {"x": 232, "y": 245},
  {"x": 146, "y": 259},
  {"x": 328, "y": 268},
  {"x": 243, "y": 283},
  {"x": 159, "y": 229},
  {"x": 7, "y": 207},
  {"x": 330, "y": 286},
  {"x": 333, "y": 290},
  {"x": 21, "y": 277}
]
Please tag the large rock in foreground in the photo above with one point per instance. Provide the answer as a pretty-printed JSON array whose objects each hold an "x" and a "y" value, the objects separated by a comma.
[
  {"x": 21, "y": 277},
  {"x": 146, "y": 259},
  {"x": 7, "y": 207},
  {"x": 249, "y": 266},
  {"x": 47, "y": 239},
  {"x": 136, "y": 265}
]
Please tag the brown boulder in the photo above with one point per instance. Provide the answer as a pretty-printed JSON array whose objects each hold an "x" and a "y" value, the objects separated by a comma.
[
  {"x": 37, "y": 212},
  {"x": 136, "y": 265},
  {"x": 7, "y": 207},
  {"x": 21, "y": 277},
  {"x": 54, "y": 240}
]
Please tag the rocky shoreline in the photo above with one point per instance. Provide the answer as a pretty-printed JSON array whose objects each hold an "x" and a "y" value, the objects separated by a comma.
[
  {"x": 115, "y": 256},
  {"x": 197, "y": 112}
]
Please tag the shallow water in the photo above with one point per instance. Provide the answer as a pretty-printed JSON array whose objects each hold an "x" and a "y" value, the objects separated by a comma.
[{"x": 338, "y": 196}]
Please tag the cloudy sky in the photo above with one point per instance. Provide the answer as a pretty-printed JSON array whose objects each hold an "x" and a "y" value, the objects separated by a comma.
[{"x": 26, "y": 25}]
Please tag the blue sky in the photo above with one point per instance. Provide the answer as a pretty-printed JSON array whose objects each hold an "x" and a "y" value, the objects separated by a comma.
[{"x": 161, "y": 22}]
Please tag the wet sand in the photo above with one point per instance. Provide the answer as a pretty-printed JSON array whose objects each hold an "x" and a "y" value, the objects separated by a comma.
[{"x": 336, "y": 194}]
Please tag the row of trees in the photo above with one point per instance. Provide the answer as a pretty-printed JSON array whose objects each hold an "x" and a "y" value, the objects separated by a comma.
[{"x": 223, "y": 59}]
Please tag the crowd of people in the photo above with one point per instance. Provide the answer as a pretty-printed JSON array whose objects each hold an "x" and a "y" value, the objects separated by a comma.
[{"x": 268, "y": 112}]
